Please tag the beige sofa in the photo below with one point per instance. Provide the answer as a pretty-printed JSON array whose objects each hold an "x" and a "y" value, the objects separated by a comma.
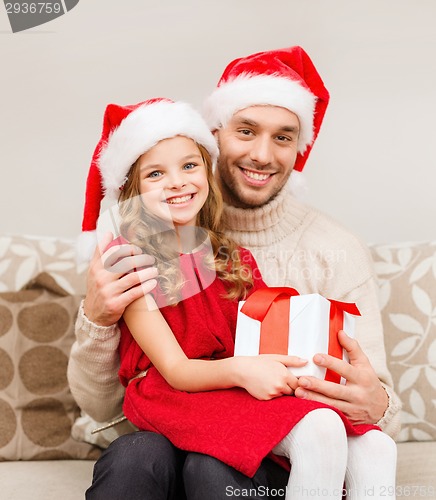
[{"x": 40, "y": 289}]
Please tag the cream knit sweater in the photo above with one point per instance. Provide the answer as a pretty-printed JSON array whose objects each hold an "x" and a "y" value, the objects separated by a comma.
[{"x": 294, "y": 245}]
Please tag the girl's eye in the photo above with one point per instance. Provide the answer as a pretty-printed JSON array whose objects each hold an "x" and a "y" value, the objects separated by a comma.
[
  {"x": 189, "y": 166},
  {"x": 154, "y": 174}
]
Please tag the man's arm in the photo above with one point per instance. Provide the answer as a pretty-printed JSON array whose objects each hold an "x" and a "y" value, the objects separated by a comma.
[
  {"x": 94, "y": 360},
  {"x": 93, "y": 369}
]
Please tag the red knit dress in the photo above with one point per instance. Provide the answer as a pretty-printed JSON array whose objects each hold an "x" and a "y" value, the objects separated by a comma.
[{"x": 228, "y": 424}]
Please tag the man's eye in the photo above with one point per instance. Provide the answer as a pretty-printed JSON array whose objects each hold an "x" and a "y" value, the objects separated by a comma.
[
  {"x": 283, "y": 138},
  {"x": 154, "y": 174},
  {"x": 245, "y": 131}
]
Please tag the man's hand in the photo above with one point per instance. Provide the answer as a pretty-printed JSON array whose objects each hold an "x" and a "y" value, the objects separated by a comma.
[
  {"x": 112, "y": 282},
  {"x": 267, "y": 376},
  {"x": 362, "y": 399}
]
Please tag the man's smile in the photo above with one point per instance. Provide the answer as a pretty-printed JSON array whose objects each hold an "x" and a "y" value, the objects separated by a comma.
[{"x": 257, "y": 178}]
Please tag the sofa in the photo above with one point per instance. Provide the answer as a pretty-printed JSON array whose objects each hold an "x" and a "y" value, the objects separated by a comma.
[{"x": 40, "y": 291}]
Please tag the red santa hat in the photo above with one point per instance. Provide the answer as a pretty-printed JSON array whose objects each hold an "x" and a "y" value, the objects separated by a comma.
[
  {"x": 285, "y": 78},
  {"x": 128, "y": 132}
]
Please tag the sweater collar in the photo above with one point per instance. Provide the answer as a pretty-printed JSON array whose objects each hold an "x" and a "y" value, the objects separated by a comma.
[{"x": 267, "y": 224}]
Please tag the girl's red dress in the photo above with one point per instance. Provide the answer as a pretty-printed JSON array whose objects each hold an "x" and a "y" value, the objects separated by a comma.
[{"x": 228, "y": 424}]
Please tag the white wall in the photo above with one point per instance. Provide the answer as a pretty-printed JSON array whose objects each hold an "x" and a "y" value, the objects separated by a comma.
[{"x": 373, "y": 167}]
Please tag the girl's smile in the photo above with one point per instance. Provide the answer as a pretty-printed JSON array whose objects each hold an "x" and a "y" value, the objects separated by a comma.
[{"x": 181, "y": 200}]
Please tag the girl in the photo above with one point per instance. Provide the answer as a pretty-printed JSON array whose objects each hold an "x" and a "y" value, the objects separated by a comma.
[{"x": 177, "y": 343}]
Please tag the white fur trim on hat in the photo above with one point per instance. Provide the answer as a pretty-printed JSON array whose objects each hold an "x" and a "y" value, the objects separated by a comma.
[
  {"x": 86, "y": 244},
  {"x": 297, "y": 185},
  {"x": 250, "y": 90},
  {"x": 142, "y": 129}
]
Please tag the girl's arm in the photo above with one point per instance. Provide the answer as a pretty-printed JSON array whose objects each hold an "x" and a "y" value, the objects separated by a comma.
[{"x": 264, "y": 377}]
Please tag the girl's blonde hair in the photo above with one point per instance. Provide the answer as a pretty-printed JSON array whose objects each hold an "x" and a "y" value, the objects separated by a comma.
[{"x": 145, "y": 230}]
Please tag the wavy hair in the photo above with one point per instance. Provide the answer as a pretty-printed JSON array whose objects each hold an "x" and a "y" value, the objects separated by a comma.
[{"x": 149, "y": 232}]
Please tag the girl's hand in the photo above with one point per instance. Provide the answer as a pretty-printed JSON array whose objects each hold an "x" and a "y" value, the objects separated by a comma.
[{"x": 266, "y": 376}]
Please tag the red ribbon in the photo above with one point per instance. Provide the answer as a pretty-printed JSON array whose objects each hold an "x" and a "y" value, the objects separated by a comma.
[
  {"x": 270, "y": 306},
  {"x": 336, "y": 323}
]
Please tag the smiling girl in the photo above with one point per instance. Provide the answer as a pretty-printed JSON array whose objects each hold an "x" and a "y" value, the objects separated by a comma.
[{"x": 177, "y": 342}]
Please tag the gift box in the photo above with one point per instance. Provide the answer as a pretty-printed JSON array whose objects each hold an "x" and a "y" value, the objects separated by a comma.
[{"x": 279, "y": 320}]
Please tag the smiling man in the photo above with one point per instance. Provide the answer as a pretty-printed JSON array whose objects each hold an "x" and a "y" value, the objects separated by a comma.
[
  {"x": 266, "y": 113},
  {"x": 258, "y": 149}
]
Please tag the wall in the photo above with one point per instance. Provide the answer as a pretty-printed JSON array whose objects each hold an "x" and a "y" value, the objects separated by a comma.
[{"x": 372, "y": 168}]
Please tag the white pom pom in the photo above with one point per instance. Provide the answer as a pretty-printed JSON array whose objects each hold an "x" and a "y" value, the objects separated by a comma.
[
  {"x": 85, "y": 246},
  {"x": 297, "y": 185}
]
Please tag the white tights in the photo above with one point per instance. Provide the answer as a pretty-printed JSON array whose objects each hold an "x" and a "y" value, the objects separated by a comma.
[{"x": 322, "y": 458}]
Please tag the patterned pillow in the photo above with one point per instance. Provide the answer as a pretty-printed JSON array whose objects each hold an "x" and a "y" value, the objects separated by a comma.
[
  {"x": 23, "y": 257},
  {"x": 407, "y": 275},
  {"x": 37, "y": 409}
]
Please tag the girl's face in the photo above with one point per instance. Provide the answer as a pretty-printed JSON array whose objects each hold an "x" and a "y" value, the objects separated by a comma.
[{"x": 173, "y": 180}]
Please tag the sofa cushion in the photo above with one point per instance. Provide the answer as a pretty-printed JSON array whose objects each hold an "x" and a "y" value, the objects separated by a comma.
[
  {"x": 36, "y": 407},
  {"x": 407, "y": 275},
  {"x": 45, "y": 480},
  {"x": 23, "y": 257},
  {"x": 416, "y": 466}
]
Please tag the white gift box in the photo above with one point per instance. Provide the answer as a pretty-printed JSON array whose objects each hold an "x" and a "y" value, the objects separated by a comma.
[{"x": 310, "y": 326}]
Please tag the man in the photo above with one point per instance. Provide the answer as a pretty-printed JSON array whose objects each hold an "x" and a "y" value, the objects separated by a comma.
[{"x": 266, "y": 113}]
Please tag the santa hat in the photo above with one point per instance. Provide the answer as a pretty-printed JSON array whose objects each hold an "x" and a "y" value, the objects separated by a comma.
[
  {"x": 128, "y": 132},
  {"x": 285, "y": 78}
]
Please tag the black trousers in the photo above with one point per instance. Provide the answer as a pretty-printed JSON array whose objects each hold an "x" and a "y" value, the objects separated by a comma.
[{"x": 146, "y": 466}]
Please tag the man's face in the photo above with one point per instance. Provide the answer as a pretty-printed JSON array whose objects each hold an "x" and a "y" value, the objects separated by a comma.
[{"x": 258, "y": 149}]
